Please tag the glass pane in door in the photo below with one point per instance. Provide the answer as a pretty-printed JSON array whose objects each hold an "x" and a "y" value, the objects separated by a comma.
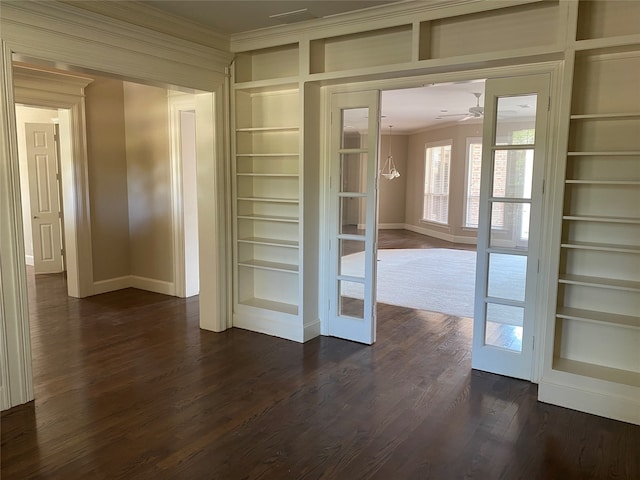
[
  {"x": 353, "y": 215},
  {"x": 516, "y": 120},
  {"x": 353, "y": 168}
]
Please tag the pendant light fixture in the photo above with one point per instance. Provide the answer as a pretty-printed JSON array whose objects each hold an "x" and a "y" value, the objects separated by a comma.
[{"x": 389, "y": 170}]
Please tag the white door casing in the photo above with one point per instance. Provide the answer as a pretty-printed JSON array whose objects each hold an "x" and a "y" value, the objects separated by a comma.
[
  {"x": 44, "y": 197},
  {"x": 353, "y": 153},
  {"x": 511, "y": 193}
]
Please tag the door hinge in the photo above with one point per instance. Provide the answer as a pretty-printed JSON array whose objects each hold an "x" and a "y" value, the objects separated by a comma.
[
  {"x": 538, "y": 266},
  {"x": 62, "y": 252},
  {"x": 543, "y": 185},
  {"x": 549, "y": 105},
  {"x": 533, "y": 343}
]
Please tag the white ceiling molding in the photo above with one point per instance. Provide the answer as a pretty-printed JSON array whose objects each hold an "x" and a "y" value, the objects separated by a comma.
[
  {"x": 68, "y": 37},
  {"x": 38, "y": 85},
  {"x": 401, "y": 13},
  {"x": 155, "y": 19}
]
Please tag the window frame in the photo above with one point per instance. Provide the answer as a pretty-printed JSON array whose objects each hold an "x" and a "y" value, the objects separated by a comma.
[
  {"x": 427, "y": 146},
  {"x": 470, "y": 141}
]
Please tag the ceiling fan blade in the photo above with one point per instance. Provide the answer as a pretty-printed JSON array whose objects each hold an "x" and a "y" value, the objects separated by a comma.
[{"x": 453, "y": 115}]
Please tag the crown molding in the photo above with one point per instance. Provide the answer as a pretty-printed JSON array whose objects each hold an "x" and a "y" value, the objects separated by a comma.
[
  {"x": 71, "y": 37},
  {"x": 400, "y": 13},
  {"x": 147, "y": 16},
  {"x": 71, "y": 20}
]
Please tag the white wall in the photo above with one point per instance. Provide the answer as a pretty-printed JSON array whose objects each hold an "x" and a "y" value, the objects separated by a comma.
[
  {"x": 392, "y": 193},
  {"x": 24, "y": 115},
  {"x": 189, "y": 201},
  {"x": 146, "y": 120}
]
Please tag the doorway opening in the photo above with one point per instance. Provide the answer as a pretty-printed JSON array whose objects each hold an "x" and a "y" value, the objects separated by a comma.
[
  {"x": 131, "y": 214},
  {"x": 428, "y": 216},
  {"x": 502, "y": 294}
]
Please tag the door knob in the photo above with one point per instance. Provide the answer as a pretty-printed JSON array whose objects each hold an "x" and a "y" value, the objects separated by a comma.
[{"x": 35, "y": 216}]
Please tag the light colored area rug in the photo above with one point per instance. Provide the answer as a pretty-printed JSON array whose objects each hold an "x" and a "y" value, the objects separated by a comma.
[{"x": 436, "y": 279}]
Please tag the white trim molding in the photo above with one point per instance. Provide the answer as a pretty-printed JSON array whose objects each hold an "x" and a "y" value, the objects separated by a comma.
[
  {"x": 14, "y": 310},
  {"x": 62, "y": 34},
  {"x": 441, "y": 235},
  {"x": 43, "y": 88},
  {"x": 604, "y": 401}
]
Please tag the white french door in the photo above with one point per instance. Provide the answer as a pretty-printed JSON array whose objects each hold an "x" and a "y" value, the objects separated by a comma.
[
  {"x": 352, "y": 230},
  {"x": 513, "y": 151}
]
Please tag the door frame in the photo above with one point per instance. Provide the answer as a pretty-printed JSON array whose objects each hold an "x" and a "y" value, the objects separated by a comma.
[
  {"x": 178, "y": 102},
  {"x": 550, "y": 203},
  {"x": 37, "y": 88}
]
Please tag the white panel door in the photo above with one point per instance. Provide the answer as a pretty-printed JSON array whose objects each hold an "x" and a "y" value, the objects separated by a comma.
[
  {"x": 44, "y": 197},
  {"x": 513, "y": 150},
  {"x": 353, "y": 193}
]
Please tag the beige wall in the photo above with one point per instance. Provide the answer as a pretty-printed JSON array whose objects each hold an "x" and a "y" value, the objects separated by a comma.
[
  {"x": 148, "y": 181},
  {"x": 391, "y": 194},
  {"x": 415, "y": 175},
  {"x": 24, "y": 115},
  {"x": 107, "y": 178}
]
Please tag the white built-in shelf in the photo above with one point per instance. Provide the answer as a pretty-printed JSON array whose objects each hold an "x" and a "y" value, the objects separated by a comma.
[
  {"x": 267, "y": 154},
  {"x": 270, "y": 305},
  {"x": 599, "y": 282},
  {"x": 275, "y": 175},
  {"x": 268, "y": 85},
  {"x": 602, "y": 219},
  {"x": 602, "y": 247},
  {"x": 270, "y": 218},
  {"x": 268, "y": 129},
  {"x": 614, "y": 43},
  {"x": 264, "y": 265},
  {"x": 621, "y": 153},
  {"x": 608, "y": 374},
  {"x": 269, "y": 200},
  {"x": 274, "y": 242},
  {"x": 620, "y": 183},
  {"x": 598, "y": 317},
  {"x": 605, "y": 116}
]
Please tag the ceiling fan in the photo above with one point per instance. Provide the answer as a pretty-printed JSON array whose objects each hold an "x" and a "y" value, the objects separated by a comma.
[{"x": 474, "y": 112}]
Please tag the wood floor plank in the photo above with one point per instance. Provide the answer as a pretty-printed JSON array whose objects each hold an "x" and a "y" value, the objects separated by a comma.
[{"x": 128, "y": 387}]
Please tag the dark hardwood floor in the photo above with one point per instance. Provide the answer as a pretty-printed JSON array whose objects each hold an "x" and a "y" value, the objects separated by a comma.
[
  {"x": 128, "y": 387},
  {"x": 409, "y": 239}
]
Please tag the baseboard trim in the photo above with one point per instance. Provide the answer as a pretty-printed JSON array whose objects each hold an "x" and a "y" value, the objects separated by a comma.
[
  {"x": 311, "y": 330},
  {"x": 607, "y": 405},
  {"x": 153, "y": 285},
  {"x": 111, "y": 285},
  {"x": 270, "y": 323},
  {"x": 391, "y": 226},
  {"x": 441, "y": 235},
  {"x": 28, "y": 259},
  {"x": 133, "y": 281}
]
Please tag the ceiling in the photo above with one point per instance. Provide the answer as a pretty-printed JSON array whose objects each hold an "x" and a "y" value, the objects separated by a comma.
[
  {"x": 412, "y": 109},
  {"x": 244, "y": 15}
]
